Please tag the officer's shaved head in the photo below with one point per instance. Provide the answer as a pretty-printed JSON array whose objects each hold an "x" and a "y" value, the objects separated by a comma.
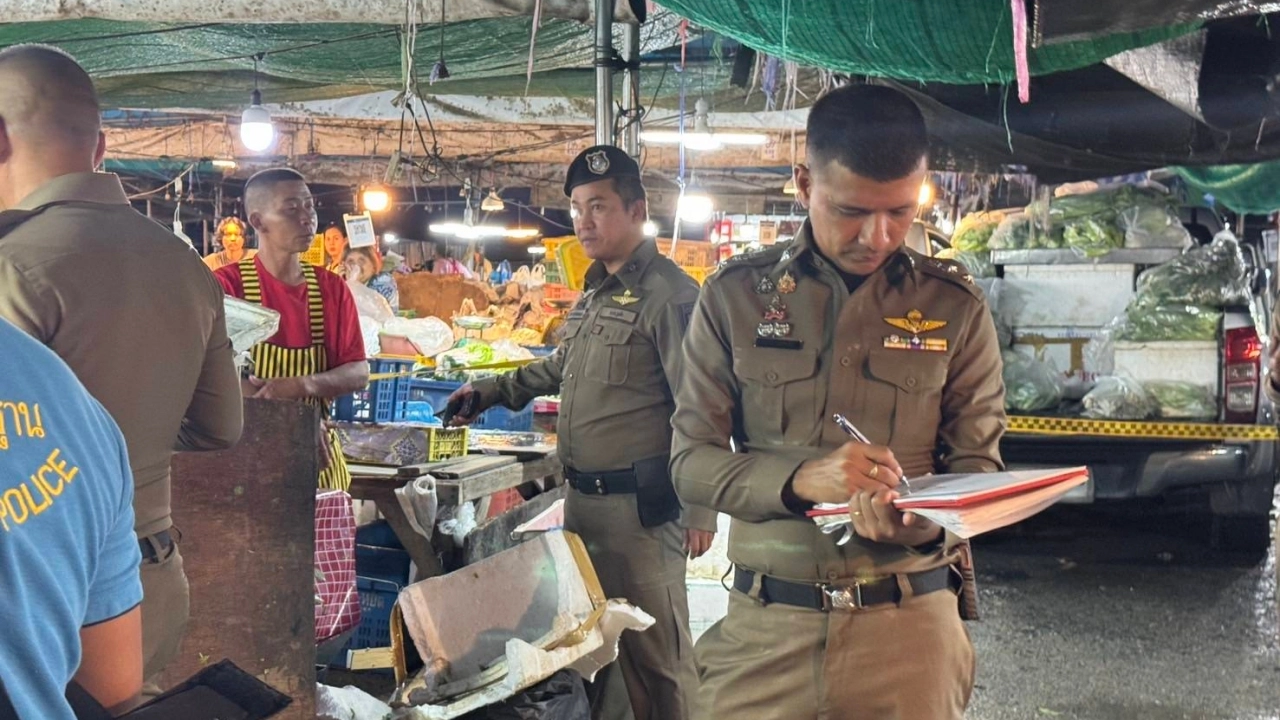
[{"x": 47, "y": 98}]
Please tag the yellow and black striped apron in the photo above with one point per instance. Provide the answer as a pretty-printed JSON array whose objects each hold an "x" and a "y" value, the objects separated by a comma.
[{"x": 272, "y": 361}]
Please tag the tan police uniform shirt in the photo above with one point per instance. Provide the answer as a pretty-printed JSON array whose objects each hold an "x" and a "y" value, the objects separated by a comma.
[
  {"x": 615, "y": 368},
  {"x": 135, "y": 313},
  {"x": 934, "y": 396}
]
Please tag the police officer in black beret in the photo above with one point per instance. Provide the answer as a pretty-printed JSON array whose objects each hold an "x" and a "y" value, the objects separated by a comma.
[{"x": 615, "y": 372}]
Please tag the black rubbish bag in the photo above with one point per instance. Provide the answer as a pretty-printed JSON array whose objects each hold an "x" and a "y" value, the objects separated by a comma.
[{"x": 560, "y": 697}]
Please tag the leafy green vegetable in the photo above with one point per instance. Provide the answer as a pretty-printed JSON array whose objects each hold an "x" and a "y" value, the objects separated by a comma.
[
  {"x": 1148, "y": 321},
  {"x": 1030, "y": 384},
  {"x": 1092, "y": 236},
  {"x": 1183, "y": 400}
]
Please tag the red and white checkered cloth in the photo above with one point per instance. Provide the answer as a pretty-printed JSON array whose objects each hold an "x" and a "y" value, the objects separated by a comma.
[{"x": 338, "y": 609}]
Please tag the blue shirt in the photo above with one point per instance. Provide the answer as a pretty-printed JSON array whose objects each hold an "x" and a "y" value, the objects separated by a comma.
[{"x": 68, "y": 554}]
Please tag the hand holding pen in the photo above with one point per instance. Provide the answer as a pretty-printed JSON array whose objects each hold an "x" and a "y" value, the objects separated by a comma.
[{"x": 904, "y": 485}]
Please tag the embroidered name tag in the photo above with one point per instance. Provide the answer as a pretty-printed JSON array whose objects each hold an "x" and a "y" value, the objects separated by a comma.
[
  {"x": 779, "y": 343},
  {"x": 626, "y": 316}
]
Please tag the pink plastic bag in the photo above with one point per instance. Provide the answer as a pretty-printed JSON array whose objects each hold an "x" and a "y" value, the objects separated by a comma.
[{"x": 337, "y": 601}]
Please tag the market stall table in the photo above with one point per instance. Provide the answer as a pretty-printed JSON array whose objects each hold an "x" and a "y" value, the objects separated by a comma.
[{"x": 461, "y": 480}]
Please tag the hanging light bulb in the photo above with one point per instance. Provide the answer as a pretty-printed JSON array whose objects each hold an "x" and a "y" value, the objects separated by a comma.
[
  {"x": 650, "y": 228},
  {"x": 256, "y": 130},
  {"x": 537, "y": 250},
  {"x": 440, "y": 71},
  {"x": 702, "y": 137},
  {"x": 694, "y": 206},
  {"x": 375, "y": 198},
  {"x": 790, "y": 188},
  {"x": 492, "y": 203}
]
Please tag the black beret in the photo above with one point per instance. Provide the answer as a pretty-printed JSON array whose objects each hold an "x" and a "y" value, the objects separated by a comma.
[{"x": 599, "y": 162}]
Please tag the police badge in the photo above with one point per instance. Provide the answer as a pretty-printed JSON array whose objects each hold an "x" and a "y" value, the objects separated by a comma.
[{"x": 598, "y": 162}]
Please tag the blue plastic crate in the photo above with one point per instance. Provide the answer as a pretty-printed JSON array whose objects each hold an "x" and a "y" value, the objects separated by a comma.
[
  {"x": 377, "y": 598},
  {"x": 500, "y": 418},
  {"x": 435, "y": 394},
  {"x": 378, "y": 533},
  {"x": 383, "y": 563},
  {"x": 382, "y": 401}
]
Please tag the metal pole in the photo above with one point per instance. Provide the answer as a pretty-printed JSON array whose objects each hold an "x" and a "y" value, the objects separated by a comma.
[
  {"x": 604, "y": 72},
  {"x": 631, "y": 88}
]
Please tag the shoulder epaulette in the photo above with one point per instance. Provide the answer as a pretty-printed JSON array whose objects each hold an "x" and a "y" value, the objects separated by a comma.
[
  {"x": 950, "y": 271},
  {"x": 11, "y": 219}
]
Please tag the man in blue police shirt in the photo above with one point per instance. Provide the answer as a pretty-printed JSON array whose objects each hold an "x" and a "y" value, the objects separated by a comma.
[{"x": 68, "y": 554}]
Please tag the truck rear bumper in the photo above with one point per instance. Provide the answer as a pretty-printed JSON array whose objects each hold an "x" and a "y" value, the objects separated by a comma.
[{"x": 1239, "y": 476}]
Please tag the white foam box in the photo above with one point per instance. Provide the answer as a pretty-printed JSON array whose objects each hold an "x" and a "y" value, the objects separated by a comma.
[
  {"x": 1064, "y": 295},
  {"x": 1195, "y": 361}
]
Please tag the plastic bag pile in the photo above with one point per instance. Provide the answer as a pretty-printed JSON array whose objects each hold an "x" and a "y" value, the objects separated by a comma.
[{"x": 1095, "y": 223}]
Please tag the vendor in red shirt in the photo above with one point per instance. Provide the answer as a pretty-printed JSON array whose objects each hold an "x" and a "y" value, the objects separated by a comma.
[{"x": 318, "y": 354}]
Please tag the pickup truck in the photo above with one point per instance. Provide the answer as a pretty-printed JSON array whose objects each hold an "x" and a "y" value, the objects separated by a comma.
[{"x": 1226, "y": 468}]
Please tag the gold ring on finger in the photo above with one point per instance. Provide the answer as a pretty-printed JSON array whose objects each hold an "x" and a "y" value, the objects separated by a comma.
[
  {"x": 857, "y": 513},
  {"x": 874, "y": 471}
]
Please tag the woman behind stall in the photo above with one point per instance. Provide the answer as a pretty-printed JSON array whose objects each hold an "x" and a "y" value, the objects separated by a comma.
[
  {"x": 365, "y": 266},
  {"x": 230, "y": 239},
  {"x": 335, "y": 249}
]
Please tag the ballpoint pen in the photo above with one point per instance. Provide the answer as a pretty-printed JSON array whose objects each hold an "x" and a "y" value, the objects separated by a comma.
[{"x": 856, "y": 434}]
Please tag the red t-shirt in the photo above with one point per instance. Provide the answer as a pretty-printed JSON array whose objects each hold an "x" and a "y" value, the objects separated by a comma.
[{"x": 343, "y": 342}]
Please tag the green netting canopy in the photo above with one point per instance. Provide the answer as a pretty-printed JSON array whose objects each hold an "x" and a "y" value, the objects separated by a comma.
[
  {"x": 158, "y": 65},
  {"x": 1252, "y": 188},
  {"x": 948, "y": 41}
]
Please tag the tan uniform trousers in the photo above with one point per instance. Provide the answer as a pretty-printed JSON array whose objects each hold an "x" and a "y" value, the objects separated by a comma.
[
  {"x": 166, "y": 607},
  {"x": 647, "y": 567},
  {"x": 780, "y": 662}
]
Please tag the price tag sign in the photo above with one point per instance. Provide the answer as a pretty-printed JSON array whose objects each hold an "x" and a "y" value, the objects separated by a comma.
[{"x": 360, "y": 230}]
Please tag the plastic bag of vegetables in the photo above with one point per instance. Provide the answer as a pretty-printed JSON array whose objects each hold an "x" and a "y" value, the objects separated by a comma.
[
  {"x": 978, "y": 263},
  {"x": 1146, "y": 321},
  {"x": 1214, "y": 275},
  {"x": 973, "y": 234},
  {"x": 1021, "y": 231},
  {"x": 1030, "y": 384},
  {"x": 1118, "y": 398},
  {"x": 1183, "y": 400},
  {"x": 451, "y": 364},
  {"x": 1152, "y": 225},
  {"x": 1092, "y": 236}
]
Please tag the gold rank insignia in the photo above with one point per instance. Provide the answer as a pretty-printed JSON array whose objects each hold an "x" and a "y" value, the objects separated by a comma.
[
  {"x": 787, "y": 283},
  {"x": 915, "y": 323},
  {"x": 626, "y": 299}
]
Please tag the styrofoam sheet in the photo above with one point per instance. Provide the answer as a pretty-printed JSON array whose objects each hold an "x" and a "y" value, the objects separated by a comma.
[
  {"x": 1064, "y": 295},
  {"x": 1182, "y": 361}
]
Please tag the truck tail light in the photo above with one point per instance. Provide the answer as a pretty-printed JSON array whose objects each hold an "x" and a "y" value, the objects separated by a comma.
[{"x": 1242, "y": 370}]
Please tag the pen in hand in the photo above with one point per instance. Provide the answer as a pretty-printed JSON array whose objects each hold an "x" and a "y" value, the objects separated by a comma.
[{"x": 856, "y": 434}]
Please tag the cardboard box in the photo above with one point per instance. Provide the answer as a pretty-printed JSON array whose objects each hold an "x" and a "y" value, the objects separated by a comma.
[
  {"x": 689, "y": 253},
  {"x": 498, "y": 626}
]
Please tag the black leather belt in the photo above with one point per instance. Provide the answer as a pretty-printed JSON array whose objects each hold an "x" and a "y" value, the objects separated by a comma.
[
  {"x": 162, "y": 539},
  {"x": 820, "y": 596},
  {"x": 614, "y": 482}
]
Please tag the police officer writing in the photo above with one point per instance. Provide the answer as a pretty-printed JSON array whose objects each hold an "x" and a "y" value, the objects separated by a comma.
[
  {"x": 615, "y": 371},
  {"x": 843, "y": 319}
]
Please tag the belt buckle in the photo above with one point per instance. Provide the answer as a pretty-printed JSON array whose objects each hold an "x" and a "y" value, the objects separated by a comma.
[{"x": 841, "y": 597}]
